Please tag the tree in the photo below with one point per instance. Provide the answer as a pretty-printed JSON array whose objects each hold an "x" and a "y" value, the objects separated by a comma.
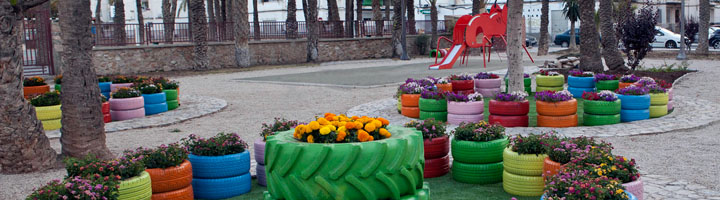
[
  {"x": 590, "y": 59},
  {"x": 478, "y": 6},
  {"x": 334, "y": 15},
  {"x": 169, "y": 8},
  {"x": 119, "y": 22},
  {"x": 543, "y": 45},
  {"x": 291, "y": 21},
  {"x": 691, "y": 29},
  {"x": 83, "y": 127},
  {"x": 410, "y": 12},
  {"x": 359, "y": 15},
  {"x": 242, "y": 32},
  {"x": 638, "y": 32},
  {"x": 212, "y": 29},
  {"x": 219, "y": 18},
  {"x": 349, "y": 19},
  {"x": 98, "y": 12},
  {"x": 613, "y": 58},
  {"x": 397, "y": 29},
  {"x": 704, "y": 25},
  {"x": 313, "y": 30},
  {"x": 572, "y": 13},
  {"x": 24, "y": 147},
  {"x": 434, "y": 21},
  {"x": 377, "y": 17},
  {"x": 141, "y": 21},
  {"x": 256, "y": 20},
  {"x": 387, "y": 9},
  {"x": 198, "y": 24},
  {"x": 515, "y": 42}
]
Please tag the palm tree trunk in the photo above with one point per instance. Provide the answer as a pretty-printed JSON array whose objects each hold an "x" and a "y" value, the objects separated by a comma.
[
  {"x": 573, "y": 43},
  {"x": 544, "y": 36},
  {"x": 198, "y": 24},
  {"x": 349, "y": 19},
  {"x": 334, "y": 14},
  {"x": 515, "y": 42},
  {"x": 397, "y": 29},
  {"x": 359, "y": 15},
  {"x": 704, "y": 22},
  {"x": 377, "y": 17},
  {"x": 169, "y": 8},
  {"x": 590, "y": 59},
  {"x": 256, "y": 20},
  {"x": 434, "y": 21},
  {"x": 141, "y": 21},
  {"x": 291, "y": 21},
  {"x": 387, "y": 9},
  {"x": 98, "y": 12},
  {"x": 312, "y": 29},
  {"x": 219, "y": 19},
  {"x": 242, "y": 32},
  {"x": 212, "y": 23},
  {"x": 24, "y": 147},
  {"x": 83, "y": 130},
  {"x": 410, "y": 12},
  {"x": 613, "y": 58},
  {"x": 119, "y": 22}
]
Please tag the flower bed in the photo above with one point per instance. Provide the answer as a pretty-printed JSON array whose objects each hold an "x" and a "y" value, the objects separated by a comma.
[
  {"x": 169, "y": 170},
  {"x": 556, "y": 109},
  {"x": 121, "y": 82},
  {"x": 432, "y": 105},
  {"x": 523, "y": 165},
  {"x": 606, "y": 82},
  {"x": 627, "y": 80},
  {"x": 126, "y": 103},
  {"x": 487, "y": 84},
  {"x": 170, "y": 88},
  {"x": 34, "y": 86},
  {"x": 436, "y": 146},
  {"x": 409, "y": 93},
  {"x": 579, "y": 82},
  {"x": 601, "y": 108},
  {"x": 47, "y": 110},
  {"x": 635, "y": 103},
  {"x": 443, "y": 85},
  {"x": 220, "y": 166},
  {"x": 465, "y": 108},
  {"x": 509, "y": 110},
  {"x": 134, "y": 182},
  {"x": 477, "y": 151}
]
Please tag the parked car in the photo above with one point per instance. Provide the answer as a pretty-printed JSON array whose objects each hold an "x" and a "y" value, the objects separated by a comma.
[
  {"x": 563, "y": 39},
  {"x": 665, "y": 38},
  {"x": 530, "y": 41},
  {"x": 715, "y": 39}
]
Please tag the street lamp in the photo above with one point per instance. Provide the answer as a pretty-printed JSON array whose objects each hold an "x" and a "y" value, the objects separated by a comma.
[
  {"x": 404, "y": 55},
  {"x": 681, "y": 55}
]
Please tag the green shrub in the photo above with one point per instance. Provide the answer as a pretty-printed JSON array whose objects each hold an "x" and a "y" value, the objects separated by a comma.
[
  {"x": 34, "y": 81},
  {"x": 162, "y": 157},
  {"x": 219, "y": 145},
  {"x": 149, "y": 88},
  {"x": 422, "y": 42},
  {"x": 479, "y": 132},
  {"x": 430, "y": 128},
  {"x": 47, "y": 99},
  {"x": 125, "y": 92}
]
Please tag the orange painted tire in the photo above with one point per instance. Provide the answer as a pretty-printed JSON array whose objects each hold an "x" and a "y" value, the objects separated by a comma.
[
  {"x": 35, "y": 90},
  {"x": 561, "y": 108},
  {"x": 185, "y": 193},
  {"x": 412, "y": 112},
  {"x": 410, "y": 100},
  {"x": 622, "y": 85},
  {"x": 550, "y": 168},
  {"x": 171, "y": 178},
  {"x": 557, "y": 121},
  {"x": 444, "y": 87}
]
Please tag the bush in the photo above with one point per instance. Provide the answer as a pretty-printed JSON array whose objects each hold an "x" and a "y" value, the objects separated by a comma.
[
  {"x": 104, "y": 79},
  {"x": 125, "y": 92},
  {"x": 166, "y": 84},
  {"x": 422, "y": 42},
  {"x": 279, "y": 125},
  {"x": 573, "y": 183},
  {"x": 162, "y": 157},
  {"x": 563, "y": 150},
  {"x": 58, "y": 79},
  {"x": 149, "y": 88},
  {"x": 34, "y": 81},
  {"x": 430, "y": 128},
  {"x": 47, "y": 99},
  {"x": 637, "y": 32},
  {"x": 479, "y": 132},
  {"x": 531, "y": 144},
  {"x": 91, "y": 187},
  {"x": 124, "y": 167},
  {"x": 553, "y": 96},
  {"x": 219, "y": 145}
]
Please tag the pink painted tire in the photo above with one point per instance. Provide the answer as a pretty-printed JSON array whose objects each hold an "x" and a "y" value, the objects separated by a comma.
[
  {"x": 636, "y": 188},
  {"x": 670, "y": 94},
  {"x": 457, "y": 119},
  {"x": 126, "y": 103},
  {"x": 115, "y": 86},
  {"x": 465, "y": 108},
  {"x": 488, "y": 92},
  {"x": 119, "y": 115},
  {"x": 488, "y": 83},
  {"x": 259, "y": 147},
  {"x": 670, "y": 105}
]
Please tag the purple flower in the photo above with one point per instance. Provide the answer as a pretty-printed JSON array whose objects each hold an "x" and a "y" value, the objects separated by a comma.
[
  {"x": 552, "y": 96},
  {"x": 605, "y": 77}
]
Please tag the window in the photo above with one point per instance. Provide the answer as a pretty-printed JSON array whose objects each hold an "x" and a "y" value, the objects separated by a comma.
[{"x": 145, "y": 5}]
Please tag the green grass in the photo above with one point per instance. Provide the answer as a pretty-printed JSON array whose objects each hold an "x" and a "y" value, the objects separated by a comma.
[{"x": 532, "y": 115}]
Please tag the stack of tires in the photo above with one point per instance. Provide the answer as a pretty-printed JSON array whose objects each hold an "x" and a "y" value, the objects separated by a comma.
[
  {"x": 478, "y": 162},
  {"x": 137, "y": 187},
  {"x": 488, "y": 87},
  {"x": 220, "y": 177},
  {"x": 557, "y": 114},
  {"x": 601, "y": 112},
  {"x": 437, "y": 160},
  {"x": 659, "y": 104},
  {"x": 171, "y": 96},
  {"x": 552, "y": 83},
  {"x": 578, "y": 85},
  {"x": 509, "y": 113},
  {"x": 410, "y": 105},
  {"x": 106, "y": 112},
  {"x": 155, "y": 103},
  {"x": 463, "y": 86},
  {"x": 105, "y": 89},
  {"x": 127, "y": 108},
  {"x": 522, "y": 174},
  {"x": 172, "y": 183},
  {"x": 527, "y": 82},
  {"x": 459, "y": 112},
  {"x": 49, "y": 116},
  {"x": 259, "y": 148},
  {"x": 634, "y": 107},
  {"x": 433, "y": 108}
]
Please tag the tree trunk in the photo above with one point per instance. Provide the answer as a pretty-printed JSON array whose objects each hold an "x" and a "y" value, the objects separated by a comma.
[
  {"x": 24, "y": 147},
  {"x": 387, "y": 9},
  {"x": 219, "y": 19},
  {"x": 573, "y": 35},
  {"x": 169, "y": 8},
  {"x": 349, "y": 19},
  {"x": 242, "y": 32},
  {"x": 397, "y": 29},
  {"x": 83, "y": 129},
  {"x": 590, "y": 59},
  {"x": 704, "y": 23},
  {"x": 212, "y": 23},
  {"x": 119, "y": 22},
  {"x": 475, "y": 7},
  {"x": 410, "y": 12},
  {"x": 434, "y": 21},
  {"x": 359, "y": 15},
  {"x": 377, "y": 17},
  {"x": 291, "y": 21},
  {"x": 198, "y": 24},
  {"x": 514, "y": 43},
  {"x": 98, "y": 13},
  {"x": 334, "y": 15},
  {"x": 305, "y": 11},
  {"x": 141, "y": 21},
  {"x": 256, "y": 20},
  {"x": 543, "y": 45},
  {"x": 613, "y": 58},
  {"x": 313, "y": 30}
]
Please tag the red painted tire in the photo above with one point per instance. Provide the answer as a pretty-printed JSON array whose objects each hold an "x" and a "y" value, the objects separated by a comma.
[
  {"x": 561, "y": 108},
  {"x": 412, "y": 112},
  {"x": 457, "y": 119},
  {"x": 107, "y": 118},
  {"x": 460, "y": 85},
  {"x": 509, "y": 108},
  {"x": 115, "y": 86},
  {"x": 410, "y": 100},
  {"x": 557, "y": 121},
  {"x": 127, "y": 103},
  {"x": 259, "y": 146},
  {"x": 488, "y": 92},
  {"x": 185, "y": 193},
  {"x": 436, "y": 147},
  {"x": 465, "y": 108},
  {"x": 106, "y": 107},
  {"x": 636, "y": 188},
  {"x": 437, "y": 167},
  {"x": 488, "y": 83},
  {"x": 509, "y": 121},
  {"x": 119, "y": 115}
]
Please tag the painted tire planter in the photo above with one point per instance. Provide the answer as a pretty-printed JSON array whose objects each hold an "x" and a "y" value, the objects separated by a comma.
[
  {"x": 634, "y": 115},
  {"x": 57, "y": 87},
  {"x": 127, "y": 108},
  {"x": 472, "y": 152},
  {"x": 488, "y": 83},
  {"x": 634, "y": 102},
  {"x": 465, "y": 108},
  {"x": 171, "y": 97},
  {"x": 185, "y": 193},
  {"x": 115, "y": 86},
  {"x": 670, "y": 105},
  {"x": 436, "y": 147},
  {"x": 171, "y": 178},
  {"x": 549, "y": 81},
  {"x": 155, "y": 103},
  {"x": 526, "y": 164},
  {"x": 138, "y": 187},
  {"x": 550, "y": 167},
  {"x": 221, "y": 188},
  {"x": 658, "y": 99},
  {"x": 602, "y": 107},
  {"x": 611, "y": 85},
  {"x": 49, "y": 116},
  {"x": 477, "y": 173},
  {"x": 523, "y": 185},
  {"x": 557, "y": 121},
  {"x": 509, "y": 108},
  {"x": 597, "y": 120},
  {"x": 509, "y": 121},
  {"x": 461, "y": 85},
  {"x": 259, "y": 150},
  {"x": 432, "y": 105},
  {"x": 457, "y": 119},
  {"x": 577, "y": 92},
  {"x": 635, "y": 188},
  {"x": 542, "y": 88},
  {"x": 210, "y": 167},
  {"x": 436, "y": 167},
  {"x": 105, "y": 89},
  {"x": 581, "y": 82},
  {"x": 151, "y": 109},
  {"x": 260, "y": 174},
  {"x": 29, "y": 91},
  {"x": 380, "y": 169},
  {"x": 444, "y": 87},
  {"x": 658, "y": 111},
  {"x": 670, "y": 94},
  {"x": 562, "y": 108},
  {"x": 440, "y": 116},
  {"x": 410, "y": 103},
  {"x": 488, "y": 92},
  {"x": 622, "y": 85},
  {"x": 106, "y": 112},
  {"x": 420, "y": 194},
  {"x": 412, "y": 112},
  {"x": 173, "y": 104}
]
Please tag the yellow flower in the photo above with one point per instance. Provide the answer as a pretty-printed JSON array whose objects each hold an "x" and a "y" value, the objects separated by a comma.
[
  {"x": 324, "y": 130},
  {"x": 613, "y": 168},
  {"x": 610, "y": 157},
  {"x": 377, "y": 123},
  {"x": 310, "y": 139},
  {"x": 334, "y": 123},
  {"x": 619, "y": 191},
  {"x": 358, "y": 125},
  {"x": 314, "y": 125},
  {"x": 335, "y": 118},
  {"x": 385, "y": 133},
  {"x": 599, "y": 173},
  {"x": 341, "y": 124},
  {"x": 308, "y": 129},
  {"x": 323, "y": 121},
  {"x": 342, "y": 129},
  {"x": 370, "y": 127},
  {"x": 624, "y": 159},
  {"x": 332, "y": 128},
  {"x": 300, "y": 129}
]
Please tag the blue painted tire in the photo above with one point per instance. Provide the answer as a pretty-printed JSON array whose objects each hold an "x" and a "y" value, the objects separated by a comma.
[
  {"x": 220, "y": 166},
  {"x": 581, "y": 82},
  {"x": 634, "y": 115},
  {"x": 221, "y": 188},
  {"x": 154, "y": 98},
  {"x": 106, "y": 94},
  {"x": 634, "y": 102},
  {"x": 577, "y": 91},
  {"x": 104, "y": 87},
  {"x": 151, "y": 109}
]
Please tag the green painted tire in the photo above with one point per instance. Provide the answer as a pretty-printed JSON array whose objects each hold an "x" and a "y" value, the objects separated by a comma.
[
  {"x": 526, "y": 164},
  {"x": 550, "y": 81},
  {"x": 171, "y": 95},
  {"x": 658, "y": 111},
  {"x": 399, "y": 105},
  {"x": 48, "y": 112},
  {"x": 471, "y": 152},
  {"x": 432, "y": 105},
  {"x": 607, "y": 85},
  {"x": 138, "y": 187},
  {"x": 523, "y": 185},
  {"x": 382, "y": 169},
  {"x": 58, "y": 87},
  {"x": 420, "y": 194},
  {"x": 602, "y": 107},
  {"x": 658, "y": 99},
  {"x": 173, "y": 104},
  {"x": 541, "y": 88},
  {"x": 440, "y": 116},
  {"x": 597, "y": 120},
  {"x": 477, "y": 173}
]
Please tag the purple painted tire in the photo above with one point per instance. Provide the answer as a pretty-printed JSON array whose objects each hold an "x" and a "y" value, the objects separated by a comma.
[
  {"x": 636, "y": 188},
  {"x": 670, "y": 105},
  {"x": 457, "y": 119},
  {"x": 115, "y": 86},
  {"x": 119, "y": 115},
  {"x": 260, "y": 173},
  {"x": 127, "y": 103},
  {"x": 488, "y": 83},
  {"x": 488, "y": 92},
  {"x": 259, "y": 147},
  {"x": 465, "y": 108},
  {"x": 670, "y": 94}
]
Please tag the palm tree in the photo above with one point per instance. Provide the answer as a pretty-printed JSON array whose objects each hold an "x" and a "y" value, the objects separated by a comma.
[
  {"x": 478, "y": 6},
  {"x": 377, "y": 17},
  {"x": 24, "y": 147},
  {"x": 169, "y": 8},
  {"x": 141, "y": 21},
  {"x": 256, "y": 20},
  {"x": 590, "y": 59},
  {"x": 349, "y": 19},
  {"x": 515, "y": 42},
  {"x": 220, "y": 18},
  {"x": 313, "y": 30},
  {"x": 702, "y": 48},
  {"x": 212, "y": 29},
  {"x": 359, "y": 16},
  {"x": 198, "y": 24},
  {"x": 119, "y": 22},
  {"x": 410, "y": 12},
  {"x": 83, "y": 127},
  {"x": 434, "y": 21},
  {"x": 242, "y": 32},
  {"x": 613, "y": 58},
  {"x": 334, "y": 15},
  {"x": 291, "y": 21},
  {"x": 397, "y": 29},
  {"x": 544, "y": 21},
  {"x": 572, "y": 13},
  {"x": 98, "y": 12}
]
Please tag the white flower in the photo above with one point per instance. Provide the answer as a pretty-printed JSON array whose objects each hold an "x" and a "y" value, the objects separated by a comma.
[
  {"x": 475, "y": 97},
  {"x": 443, "y": 80},
  {"x": 553, "y": 73},
  {"x": 565, "y": 93},
  {"x": 520, "y": 94}
]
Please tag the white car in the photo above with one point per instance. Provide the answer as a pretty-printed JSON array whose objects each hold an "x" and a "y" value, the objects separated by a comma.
[{"x": 666, "y": 38}]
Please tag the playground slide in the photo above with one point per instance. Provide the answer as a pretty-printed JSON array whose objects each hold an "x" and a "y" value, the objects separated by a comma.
[{"x": 449, "y": 60}]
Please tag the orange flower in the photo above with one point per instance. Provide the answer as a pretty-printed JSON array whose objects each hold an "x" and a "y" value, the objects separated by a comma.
[
  {"x": 358, "y": 125},
  {"x": 370, "y": 127},
  {"x": 384, "y": 121},
  {"x": 350, "y": 125},
  {"x": 355, "y": 117},
  {"x": 310, "y": 139},
  {"x": 385, "y": 133},
  {"x": 377, "y": 123},
  {"x": 329, "y": 114},
  {"x": 363, "y": 136},
  {"x": 370, "y": 138},
  {"x": 340, "y": 136}
]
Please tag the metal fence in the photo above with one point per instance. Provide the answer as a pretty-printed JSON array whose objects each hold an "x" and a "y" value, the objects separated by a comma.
[{"x": 111, "y": 34}]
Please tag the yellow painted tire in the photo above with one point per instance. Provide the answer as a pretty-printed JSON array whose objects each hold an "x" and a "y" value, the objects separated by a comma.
[
  {"x": 136, "y": 188},
  {"x": 526, "y": 164},
  {"x": 48, "y": 112},
  {"x": 523, "y": 185},
  {"x": 658, "y": 111},
  {"x": 658, "y": 99},
  {"x": 53, "y": 124}
]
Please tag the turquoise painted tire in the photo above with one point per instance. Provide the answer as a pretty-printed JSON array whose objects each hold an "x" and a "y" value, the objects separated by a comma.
[
  {"x": 209, "y": 167},
  {"x": 154, "y": 98},
  {"x": 550, "y": 81},
  {"x": 634, "y": 115},
  {"x": 104, "y": 86},
  {"x": 607, "y": 85},
  {"x": 472, "y": 152},
  {"x": 634, "y": 102},
  {"x": 151, "y": 109},
  {"x": 658, "y": 111},
  {"x": 135, "y": 188},
  {"x": 597, "y": 120},
  {"x": 221, "y": 188},
  {"x": 525, "y": 164},
  {"x": 477, "y": 173},
  {"x": 577, "y": 92},
  {"x": 522, "y": 185},
  {"x": 440, "y": 116},
  {"x": 432, "y": 105},
  {"x": 581, "y": 82},
  {"x": 602, "y": 107}
]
